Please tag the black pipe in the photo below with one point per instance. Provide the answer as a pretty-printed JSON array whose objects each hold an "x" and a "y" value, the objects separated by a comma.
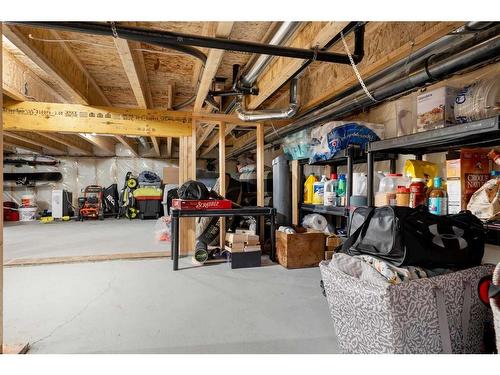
[
  {"x": 158, "y": 37},
  {"x": 482, "y": 53}
]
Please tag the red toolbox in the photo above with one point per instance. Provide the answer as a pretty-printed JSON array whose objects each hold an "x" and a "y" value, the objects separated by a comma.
[{"x": 204, "y": 204}]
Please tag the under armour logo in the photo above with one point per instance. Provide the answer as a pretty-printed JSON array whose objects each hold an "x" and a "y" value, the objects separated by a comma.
[{"x": 440, "y": 238}]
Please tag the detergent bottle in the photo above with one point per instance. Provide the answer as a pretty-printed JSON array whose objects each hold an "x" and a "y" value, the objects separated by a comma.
[
  {"x": 319, "y": 190},
  {"x": 309, "y": 188},
  {"x": 330, "y": 198}
]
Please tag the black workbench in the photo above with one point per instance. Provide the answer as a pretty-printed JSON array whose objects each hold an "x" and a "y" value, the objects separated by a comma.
[{"x": 244, "y": 211}]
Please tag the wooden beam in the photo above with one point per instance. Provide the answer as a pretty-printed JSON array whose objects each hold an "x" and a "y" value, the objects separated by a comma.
[
  {"x": 156, "y": 145},
  {"x": 214, "y": 141},
  {"x": 214, "y": 59},
  {"x": 74, "y": 118},
  {"x": 169, "y": 147},
  {"x": 52, "y": 58},
  {"x": 17, "y": 143},
  {"x": 222, "y": 177},
  {"x": 20, "y": 83},
  {"x": 70, "y": 141},
  {"x": 206, "y": 132},
  {"x": 102, "y": 143},
  {"x": 281, "y": 69},
  {"x": 128, "y": 143},
  {"x": 38, "y": 140}
]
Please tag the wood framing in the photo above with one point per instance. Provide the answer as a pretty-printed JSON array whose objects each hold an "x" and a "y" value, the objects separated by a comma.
[
  {"x": 204, "y": 135},
  {"x": 214, "y": 141},
  {"x": 103, "y": 143},
  {"x": 222, "y": 177},
  {"x": 281, "y": 69},
  {"x": 169, "y": 147},
  {"x": 20, "y": 83},
  {"x": 54, "y": 59},
  {"x": 129, "y": 144},
  {"x": 214, "y": 59},
  {"x": 25, "y": 145},
  {"x": 156, "y": 146},
  {"x": 37, "y": 140},
  {"x": 74, "y": 118},
  {"x": 70, "y": 141}
]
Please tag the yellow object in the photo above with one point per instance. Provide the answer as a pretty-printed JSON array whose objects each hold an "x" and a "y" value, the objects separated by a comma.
[
  {"x": 65, "y": 218},
  {"x": 46, "y": 219},
  {"x": 421, "y": 169},
  {"x": 309, "y": 189}
]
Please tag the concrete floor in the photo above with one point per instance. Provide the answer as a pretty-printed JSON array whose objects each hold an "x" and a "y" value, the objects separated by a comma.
[
  {"x": 145, "y": 307},
  {"x": 111, "y": 236}
]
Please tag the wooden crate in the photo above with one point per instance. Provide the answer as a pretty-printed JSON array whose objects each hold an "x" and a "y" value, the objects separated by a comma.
[{"x": 300, "y": 250}]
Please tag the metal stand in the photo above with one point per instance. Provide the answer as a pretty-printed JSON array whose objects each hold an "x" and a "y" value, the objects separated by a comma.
[{"x": 245, "y": 211}]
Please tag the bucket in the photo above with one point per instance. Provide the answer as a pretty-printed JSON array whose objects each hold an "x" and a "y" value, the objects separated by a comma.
[
  {"x": 27, "y": 213},
  {"x": 28, "y": 200}
]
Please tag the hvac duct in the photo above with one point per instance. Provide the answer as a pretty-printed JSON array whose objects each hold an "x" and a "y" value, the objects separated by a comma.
[
  {"x": 354, "y": 98},
  {"x": 284, "y": 32},
  {"x": 272, "y": 114}
]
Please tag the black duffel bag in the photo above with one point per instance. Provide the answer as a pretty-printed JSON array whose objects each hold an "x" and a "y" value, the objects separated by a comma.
[{"x": 406, "y": 236}]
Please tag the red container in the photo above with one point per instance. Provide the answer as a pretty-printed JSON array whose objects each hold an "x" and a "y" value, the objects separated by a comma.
[
  {"x": 207, "y": 204},
  {"x": 10, "y": 212},
  {"x": 417, "y": 192}
]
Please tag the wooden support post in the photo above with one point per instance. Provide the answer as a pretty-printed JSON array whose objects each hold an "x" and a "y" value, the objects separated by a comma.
[
  {"x": 260, "y": 174},
  {"x": 295, "y": 191},
  {"x": 187, "y": 171},
  {"x": 222, "y": 176}
]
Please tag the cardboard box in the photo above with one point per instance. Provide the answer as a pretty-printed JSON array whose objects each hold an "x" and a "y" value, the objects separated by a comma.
[
  {"x": 332, "y": 242},
  {"x": 301, "y": 249},
  {"x": 464, "y": 176},
  {"x": 202, "y": 204},
  {"x": 435, "y": 108},
  {"x": 171, "y": 175}
]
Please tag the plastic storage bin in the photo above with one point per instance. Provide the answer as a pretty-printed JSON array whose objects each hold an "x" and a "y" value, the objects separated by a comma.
[{"x": 440, "y": 314}]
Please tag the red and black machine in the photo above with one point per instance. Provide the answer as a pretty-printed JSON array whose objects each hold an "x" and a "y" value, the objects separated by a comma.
[{"x": 91, "y": 204}]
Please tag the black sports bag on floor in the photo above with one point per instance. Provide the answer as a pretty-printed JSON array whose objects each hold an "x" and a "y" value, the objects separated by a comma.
[{"x": 405, "y": 236}]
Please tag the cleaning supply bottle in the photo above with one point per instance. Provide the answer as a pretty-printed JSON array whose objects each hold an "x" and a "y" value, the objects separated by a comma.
[
  {"x": 309, "y": 188},
  {"x": 438, "y": 198},
  {"x": 341, "y": 191},
  {"x": 319, "y": 190},
  {"x": 330, "y": 198}
]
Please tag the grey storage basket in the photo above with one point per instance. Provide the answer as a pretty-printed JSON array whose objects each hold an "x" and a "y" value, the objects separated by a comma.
[
  {"x": 441, "y": 314},
  {"x": 495, "y": 305}
]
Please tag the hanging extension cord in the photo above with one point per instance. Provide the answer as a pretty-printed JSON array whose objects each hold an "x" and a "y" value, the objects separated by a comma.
[{"x": 356, "y": 72}]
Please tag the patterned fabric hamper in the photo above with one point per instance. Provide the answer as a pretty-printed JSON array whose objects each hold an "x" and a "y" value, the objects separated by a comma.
[
  {"x": 495, "y": 305},
  {"x": 420, "y": 316}
]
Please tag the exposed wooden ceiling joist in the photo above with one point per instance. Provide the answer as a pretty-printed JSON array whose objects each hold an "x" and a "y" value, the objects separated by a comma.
[
  {"x": 214, "y": 59},
  {"x": 20, "y": 83},
  {"x": 169, "y": 147},
  {"x": 129, "y": 144},
  {"x": 156, "y": 145},
  {"x": 214, "y": 140},
  {"x": 205, "y": 132},
  {"x": 70, "y": 141},
  {"x": 53, "y": 58},
  {"x": 103, "y": 143},
  {"x": 38, "y": 140},
  {"x": 281, "y": 69},
  {"x": 14, "y": 142}
]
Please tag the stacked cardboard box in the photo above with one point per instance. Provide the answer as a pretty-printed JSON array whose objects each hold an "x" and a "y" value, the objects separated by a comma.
[
  {"x": 244, "y": 247},
  {"x": 237, "y": 242}
]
